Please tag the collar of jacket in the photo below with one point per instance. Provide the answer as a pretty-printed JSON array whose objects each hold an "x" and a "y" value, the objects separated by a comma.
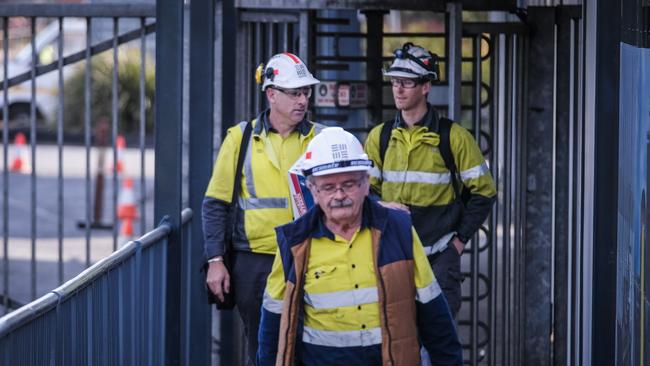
[
  {"x": 311, "y": 224},
  {"x": 430, "y": 120},
  {"x": 264, "y": 126}
]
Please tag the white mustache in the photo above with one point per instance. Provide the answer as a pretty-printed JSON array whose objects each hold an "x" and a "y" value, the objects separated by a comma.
[{"x": 341, "y": 203}]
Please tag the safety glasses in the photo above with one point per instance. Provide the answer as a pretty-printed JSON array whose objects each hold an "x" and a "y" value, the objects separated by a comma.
[
  {"x": 295, "y": 93},
  {"x": 347, "y": 187},
  {"x": 406, "y": 83}
]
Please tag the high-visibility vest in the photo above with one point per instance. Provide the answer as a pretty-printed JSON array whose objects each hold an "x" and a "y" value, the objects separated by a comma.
[
  {"x": 264, "y": 198},
  {"x": 414, "y": 173}
]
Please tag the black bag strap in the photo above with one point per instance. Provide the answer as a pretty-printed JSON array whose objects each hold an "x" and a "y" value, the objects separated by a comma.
[
  {"x": 444, "y": 128},
  {"x": 237, "y": 184},
  {"x": 384, "y": 137}
]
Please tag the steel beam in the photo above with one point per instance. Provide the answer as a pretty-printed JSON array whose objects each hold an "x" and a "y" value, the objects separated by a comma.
[
  {"x": 454, "y": 54},
  {"x": 540, "y": 145},
  {"x": 374, "y": 51},
  {"x": 168, "y": 179},
  {"x": 605, "y": 108},
  {"x": 121, "y": 10},
  {"x": 196, "y": 325},
  {"x": 429, "y": 5},
  {"x": 229, "y": 30}
]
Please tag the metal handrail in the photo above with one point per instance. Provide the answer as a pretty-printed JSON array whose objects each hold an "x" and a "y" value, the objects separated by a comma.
[{"x": 45, "y": 303}]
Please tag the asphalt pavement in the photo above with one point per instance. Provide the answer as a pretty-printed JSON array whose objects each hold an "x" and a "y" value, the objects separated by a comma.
[{"x": 16, "y": 252}]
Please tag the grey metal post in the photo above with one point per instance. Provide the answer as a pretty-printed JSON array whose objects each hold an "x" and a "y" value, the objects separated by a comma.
[
  {"x": 202, "y": 36},
  {"x": 88, "y": 82},
  {"x": 305, "y": 37},
  {"x": 455, "y": 33},
  {"x": 143, "y": 124},
  {"x": 541, "y": 191},
  {"x": 114, "y": 126},
  {"x": 230, "y": 49},
  {"x": 59, "y": 144},
  {"x": 374, "y": 51},
  {"x": 605, "y": 69},
  {"x": 565, "y": 103},
  {"x": 474, "y": 259},
  {"x": 32, "y": 143},
  {"x": 168, "y": 179},
  {"x": 5, "y": 165}
]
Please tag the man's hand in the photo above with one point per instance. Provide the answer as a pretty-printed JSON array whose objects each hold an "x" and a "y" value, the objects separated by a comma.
[
  {"x": 459, "y": 245},
  {"x": 396, "y": 206},
  {"x": 218, "y": 279}
]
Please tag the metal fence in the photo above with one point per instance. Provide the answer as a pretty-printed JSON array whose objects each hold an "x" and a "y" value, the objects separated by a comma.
[
  {"x": 112, "y": 313},
  {"x": 33, "y": 102}
]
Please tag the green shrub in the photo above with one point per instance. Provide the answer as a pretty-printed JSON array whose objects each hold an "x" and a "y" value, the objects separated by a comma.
[{"x": 102, "y": 93}]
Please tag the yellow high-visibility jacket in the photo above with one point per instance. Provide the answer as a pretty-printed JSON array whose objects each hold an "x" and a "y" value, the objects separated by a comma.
[
  {"x": 371, "y": 300},
  {"x": 414, "y": 173},
  {"x": 264, "y": 196}
]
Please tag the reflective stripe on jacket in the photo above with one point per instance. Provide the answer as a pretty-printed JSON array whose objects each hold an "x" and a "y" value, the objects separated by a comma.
[
  {"x": 264, "y": 196},
  {"x": 327, "y": 318},
  {"x": 414, "y": 173}
]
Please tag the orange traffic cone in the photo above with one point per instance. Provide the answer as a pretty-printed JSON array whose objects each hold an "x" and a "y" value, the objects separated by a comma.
[
  {"x": 127, "y": 209},
  {"x": 120, "y": 145},
  {"x": 20, "y": 162}
]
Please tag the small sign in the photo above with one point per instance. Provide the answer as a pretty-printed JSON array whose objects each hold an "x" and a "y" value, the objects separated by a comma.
[
  {"x": 346, "y": 95},
  {"x": 325, "y": 94},
  {"x": 358, "y": 95}
]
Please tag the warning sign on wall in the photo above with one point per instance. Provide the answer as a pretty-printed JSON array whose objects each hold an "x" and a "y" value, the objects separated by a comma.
[{"x": 336, "y": 94}]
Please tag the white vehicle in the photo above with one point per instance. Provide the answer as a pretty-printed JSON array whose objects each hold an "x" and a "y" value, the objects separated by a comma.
[{"x": 47, "y": 85}]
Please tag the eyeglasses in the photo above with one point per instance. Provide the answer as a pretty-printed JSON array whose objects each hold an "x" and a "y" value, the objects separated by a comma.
[
  {"x": 405, "y": 83},
  {"x": 295, "y": 93},
  {"x": 348, "y": 187}
]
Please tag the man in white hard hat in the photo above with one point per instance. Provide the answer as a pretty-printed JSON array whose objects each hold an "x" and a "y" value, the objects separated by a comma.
[
  {"x": 239, "y": 226},
  {"x": 431, "y": 167},
  {"x": 351, "y": 284}
]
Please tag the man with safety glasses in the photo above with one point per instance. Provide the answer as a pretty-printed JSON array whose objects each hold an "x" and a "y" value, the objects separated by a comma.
[
  {"x": 431, "y": 167},
  {"x": 242, "y": 222},
  {"x": 351, "y": 284}
]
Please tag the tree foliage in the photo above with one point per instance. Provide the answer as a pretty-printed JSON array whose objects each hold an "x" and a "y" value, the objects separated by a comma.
[{"x": 102, "y": 93}]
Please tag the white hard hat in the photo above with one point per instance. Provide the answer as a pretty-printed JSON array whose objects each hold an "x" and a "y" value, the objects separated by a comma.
[
  {"x": 413, "y": 61},
  {"x": 286, "y": 71},
  {"x": 333, "y": 150}
]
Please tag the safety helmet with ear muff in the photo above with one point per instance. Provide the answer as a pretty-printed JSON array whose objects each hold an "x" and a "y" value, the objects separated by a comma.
[{"x": 284, "y": 70}]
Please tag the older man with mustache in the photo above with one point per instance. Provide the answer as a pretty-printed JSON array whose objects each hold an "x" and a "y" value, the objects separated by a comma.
[{"x": 350, "y": 283}]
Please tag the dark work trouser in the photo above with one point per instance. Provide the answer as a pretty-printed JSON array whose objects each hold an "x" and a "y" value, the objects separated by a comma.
[
  {"x": 249, "y": 273},
  {"x": 446, "y": 267}
]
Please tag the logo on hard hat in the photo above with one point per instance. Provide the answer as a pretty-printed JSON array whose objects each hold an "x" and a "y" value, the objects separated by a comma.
[
  {"x": 339, "y": 151},
  {"x": 301, "y": 70}
]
